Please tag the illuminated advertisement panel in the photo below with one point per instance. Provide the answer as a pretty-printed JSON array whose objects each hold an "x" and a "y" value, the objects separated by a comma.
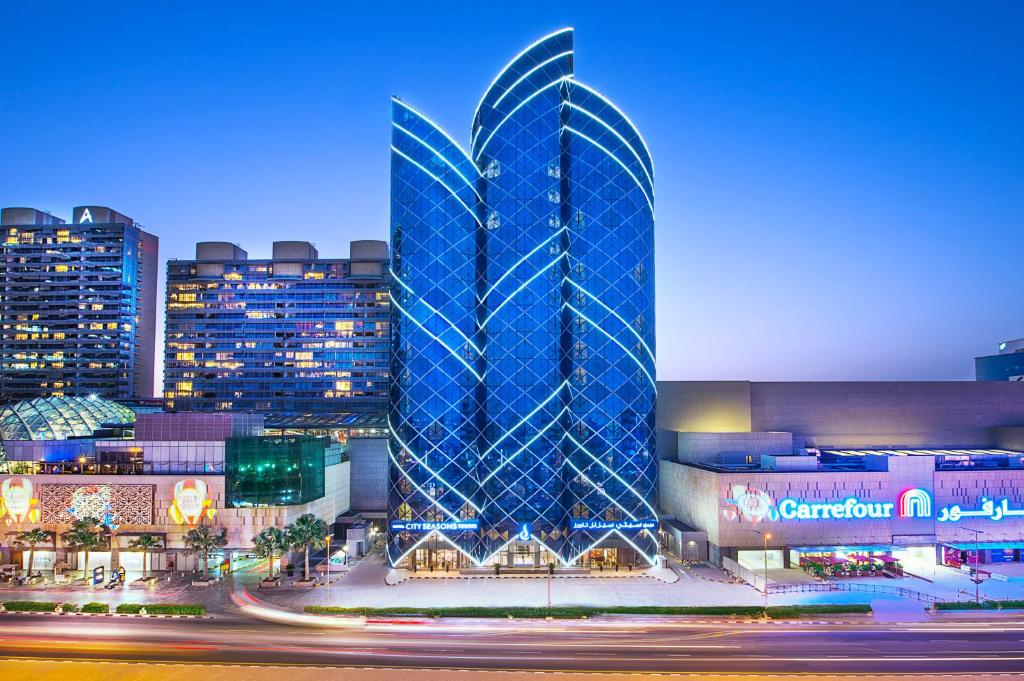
[
  {"x": 17, "y": 501},
  {"x": 191, "y": 502},
  {"x": 111, "y": 504}
]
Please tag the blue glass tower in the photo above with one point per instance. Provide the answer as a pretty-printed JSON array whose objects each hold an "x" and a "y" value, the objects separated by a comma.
[{"x": 522, "y": 400}]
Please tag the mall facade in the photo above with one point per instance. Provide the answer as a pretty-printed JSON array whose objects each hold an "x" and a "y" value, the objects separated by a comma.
[
  {"x": 523, "y": 383},
  {"x": 834, "y": 476},
  {"x": 162, "y": 474}
]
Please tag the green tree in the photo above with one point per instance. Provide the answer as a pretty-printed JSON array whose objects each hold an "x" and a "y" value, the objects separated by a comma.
[
  {"x": 86, "y": 535},
  {"x": 270, "y": 543},
  {"x": 202, "y": 541},
  {"x": 307, "y": 531},
  {"x": 148, "y": 543},
  {"x": 30, "y": 538}
]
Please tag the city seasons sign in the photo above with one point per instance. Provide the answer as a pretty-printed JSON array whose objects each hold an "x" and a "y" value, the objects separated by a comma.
[{"x": 435, "y": 525}]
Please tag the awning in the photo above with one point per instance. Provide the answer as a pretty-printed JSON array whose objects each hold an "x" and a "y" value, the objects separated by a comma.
[
  {"x": 997, "y": 545},
  {"x": 868, "y": 548}
]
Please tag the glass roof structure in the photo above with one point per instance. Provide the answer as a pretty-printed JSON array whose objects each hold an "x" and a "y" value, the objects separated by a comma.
[{"x": 59, "y": 418}]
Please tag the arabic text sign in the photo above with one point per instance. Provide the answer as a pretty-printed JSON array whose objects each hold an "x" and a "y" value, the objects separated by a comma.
[
  {"x": 598, "y": 524},
  {"x": 989, "y": 510},
  {"x": 434, "y": 525}
]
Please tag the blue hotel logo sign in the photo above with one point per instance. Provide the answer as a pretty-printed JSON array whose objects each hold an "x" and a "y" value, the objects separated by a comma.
[
  {"x": 435, "y": 525},
  {"x": 596, "y": 524}
]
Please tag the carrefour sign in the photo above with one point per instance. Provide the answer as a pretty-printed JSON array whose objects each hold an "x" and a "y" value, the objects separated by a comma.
[
  {"x": 911, "y": 503},
  {"x": 435, "y": 525}
]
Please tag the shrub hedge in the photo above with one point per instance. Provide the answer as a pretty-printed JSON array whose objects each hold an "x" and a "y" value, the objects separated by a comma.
[
  {"x": 575, "y": 612},
  {"x": 95, "y": 607},
  {"x": 160, "y": 609},
  {"x": 984, "y": 605},
  {"x": 30, "y": 606}
]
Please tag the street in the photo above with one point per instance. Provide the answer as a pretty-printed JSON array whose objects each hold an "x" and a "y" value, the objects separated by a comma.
[{"x": 619, "y": 644}]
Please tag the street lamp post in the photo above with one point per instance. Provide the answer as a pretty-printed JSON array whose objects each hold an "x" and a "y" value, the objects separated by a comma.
[
  {"x": 766, "y": 536},
  {"x": 974, "y": 564},
  {"x": 328, "y": 540}
]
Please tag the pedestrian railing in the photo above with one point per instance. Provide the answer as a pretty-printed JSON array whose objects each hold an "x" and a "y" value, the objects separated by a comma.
[{"x": 844, "y": 586}]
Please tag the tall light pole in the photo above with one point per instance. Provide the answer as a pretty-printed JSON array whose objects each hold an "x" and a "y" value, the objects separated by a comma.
[
  {"x": 328, "y": 540},
  {"x": 974, "y": 568},
  {"x": 766, "y": 536}
]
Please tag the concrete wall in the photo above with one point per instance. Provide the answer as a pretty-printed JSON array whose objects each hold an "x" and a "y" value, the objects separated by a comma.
[
  {"x": 370, "y": 474},
  {"x": 844, "y": 414},
  {"x": 888, "y": 414},
  {"x": 709, "y": 447}
]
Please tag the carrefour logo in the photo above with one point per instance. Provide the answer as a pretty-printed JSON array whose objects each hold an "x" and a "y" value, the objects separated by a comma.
[
  {"x": 915, "y": 503},
  {"x": 911, "y": 503}
]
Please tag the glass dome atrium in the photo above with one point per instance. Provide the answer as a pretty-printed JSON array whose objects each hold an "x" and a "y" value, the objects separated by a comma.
[{"x": 59, "y": 418}]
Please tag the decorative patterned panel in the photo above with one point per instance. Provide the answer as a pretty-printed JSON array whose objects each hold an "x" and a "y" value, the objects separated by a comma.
[{"x": 112, "y": 504}]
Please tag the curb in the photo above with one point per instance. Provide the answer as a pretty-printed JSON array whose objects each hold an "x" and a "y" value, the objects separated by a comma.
[{"x": 103, "y": 614}]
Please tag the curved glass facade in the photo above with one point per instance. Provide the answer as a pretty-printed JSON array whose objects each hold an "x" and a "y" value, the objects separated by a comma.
[
  {"x": 522, "y": 403},
  {"x": 58, "y": 418}
]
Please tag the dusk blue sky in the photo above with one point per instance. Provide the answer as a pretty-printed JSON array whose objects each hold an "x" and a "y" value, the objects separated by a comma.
[{"x": 839, "y": 186}]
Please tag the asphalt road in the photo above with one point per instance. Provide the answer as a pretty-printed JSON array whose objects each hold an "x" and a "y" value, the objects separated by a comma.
[{"x": 613, "y": 644}]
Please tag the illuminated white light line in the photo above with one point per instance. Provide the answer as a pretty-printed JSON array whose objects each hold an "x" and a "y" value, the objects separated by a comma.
[
  {"x": 522, "y": 286},
  {"x": 441, "y": 342},
  {"x": 499, "y": 550},
  {"x": 598, "y": 488},
  {"x": 622, "y": 139},
  {"x": 616, "y": 315},
  {"x": 525, "y": 419},
  {"x": 514, "y": 59},
  {"x": 603, "y": 537},
  {"x": 519, "y": 451},
  {"x": 654, "y": 514},
  {"x": 614, "y": 340},
  {"x": 550, "y": 550},
  {"x": 418, "y": 488},
  {"x": 615, "y": 158},
  {"x": 520, "y": 262},
  {"x": 435, "y": 311},
  {"x": 431, "y": 470},
  {"x": 650, "y": 560},
  {"x": 442, "y": 535},
  {"x": 622, "y": 113},
  {"x": 529, "y": 73},
  {"x": 512, "y": 112},
  {"x": 443, "y": 158},
  {"x": 436, "y": 127},
  {"x": 440, "y": 182}
]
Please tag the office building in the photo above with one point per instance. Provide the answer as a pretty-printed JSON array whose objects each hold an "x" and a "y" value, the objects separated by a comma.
[
  {"x": 523, "y": 394},
  {"x": 295, "y": 334},
  {"x": 1008, "y": 365},
  {"x": 77, "y": 305}
]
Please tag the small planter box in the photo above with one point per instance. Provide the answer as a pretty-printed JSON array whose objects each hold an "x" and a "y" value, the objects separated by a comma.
[
  {"x": 270, "y": 583},
  {"x": 305, "y": 583},
  {"x": 202, "y": 582}
]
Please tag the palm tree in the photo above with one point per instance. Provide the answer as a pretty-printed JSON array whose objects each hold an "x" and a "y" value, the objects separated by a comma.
[
  {"x": 202, "y": 541},
  {"x": 305, "y": 532},
  {"x": 146, "y": 542},
  {"x": 86, "y": 534},
  {"x": 31, "y": 538},
  {"x": 270, "y": 543}
]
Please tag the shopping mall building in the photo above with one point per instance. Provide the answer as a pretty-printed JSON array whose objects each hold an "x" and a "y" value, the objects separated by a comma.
[
  {"x": 70, "y": 458},
  {"x": 915, "y": 473}
]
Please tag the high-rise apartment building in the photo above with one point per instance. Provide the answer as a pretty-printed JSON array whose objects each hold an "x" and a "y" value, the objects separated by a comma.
[
  {"x": 523, "y": 394},
  {"x": 293, "y": 334},
  {"x": 77, "y": 305}
]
